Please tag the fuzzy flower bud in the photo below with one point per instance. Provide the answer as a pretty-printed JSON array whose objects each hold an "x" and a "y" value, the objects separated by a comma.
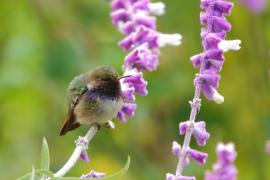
[
  {"x": 84, "y": 156},
  {"x": 176, "y": 149}
]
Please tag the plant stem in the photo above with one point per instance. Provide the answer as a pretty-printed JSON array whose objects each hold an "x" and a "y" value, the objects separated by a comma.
[
  {"x": 195, "y": 106},
  {"x": 81, "y": 145}
]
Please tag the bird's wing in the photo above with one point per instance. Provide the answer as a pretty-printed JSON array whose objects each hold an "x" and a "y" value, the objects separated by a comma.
[{"x": 76, "y": 89}]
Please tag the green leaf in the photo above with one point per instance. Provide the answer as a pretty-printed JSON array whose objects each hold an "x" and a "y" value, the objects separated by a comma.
[
  {"x": 36, "y": 173},
  {"x": 33, "y": 174},
  {"x": 45, "y": 155},
  {"x": 114, "y": 176},
  {"x": 119, "y": 173}
]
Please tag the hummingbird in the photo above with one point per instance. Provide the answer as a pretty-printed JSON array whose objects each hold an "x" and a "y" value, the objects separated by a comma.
[{"x": 94, "y": 97}]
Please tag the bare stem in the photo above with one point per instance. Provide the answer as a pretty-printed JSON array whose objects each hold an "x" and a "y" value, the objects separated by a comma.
[
  {"x": 195, "y": 106},
  {"x": 81, "y": 145}
]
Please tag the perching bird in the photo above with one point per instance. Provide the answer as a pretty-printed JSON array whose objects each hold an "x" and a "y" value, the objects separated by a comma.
[{"x": 94, "y": 97}]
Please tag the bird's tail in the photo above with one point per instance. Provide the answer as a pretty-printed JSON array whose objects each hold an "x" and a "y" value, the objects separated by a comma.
[{"x": 69, "y": 124}]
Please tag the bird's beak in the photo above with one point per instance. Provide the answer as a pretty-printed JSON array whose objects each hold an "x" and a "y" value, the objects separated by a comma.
[{"x": 124, "y": 77}]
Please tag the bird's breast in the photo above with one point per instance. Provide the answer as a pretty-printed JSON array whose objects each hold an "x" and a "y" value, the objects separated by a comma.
[{"x": 97, "y": 110}]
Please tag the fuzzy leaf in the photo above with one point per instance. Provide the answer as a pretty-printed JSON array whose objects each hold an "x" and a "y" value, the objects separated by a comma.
[
  {"x": 45, "y": 155},
  {"x": 35, "y": 174}
]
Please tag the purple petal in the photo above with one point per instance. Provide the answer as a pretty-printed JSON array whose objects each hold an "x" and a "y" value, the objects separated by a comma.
[
  {"x": 147, "y": 21},
  {"x": 128, "y": 94},
  {"x": 204, "y": 4},
  {"x": 142, "y": 58},
  {"x": 120, "y": 15},
  {"x": 197, "y": 156},
  {"x": 204, "y": 18},
  {"x": 226, "y": 153},
  {"x": 197, "y": 60},
  {"x": 145, "y": 35},
  {"x": 216, "y": 54},
  {"x": 141, "y": 34},
  {"x": 84, "y": 156},
  {"x": 127, "y": 42},
  {"x": 200, "y": 133},
  {"x": 137, "y": 81},
  {"x": 117, "y": 4},
  {"x": 223, "y": 169},
  {"x": 121, "y": 116},
  {"x": 176, "y": 149},
  {"x": 220, "y": 24},
  {"x": 183, "y": 127},
  {"x": 129, "y": 109},
  {"x": 128, "y": 27},
  {"x": 211, "y": 41},
  {"x": 223, "y": 6},
  {"x": 93, "y": 174},
  {"x": 208, "y": 82},
  {"x": 141, "y": 5}
]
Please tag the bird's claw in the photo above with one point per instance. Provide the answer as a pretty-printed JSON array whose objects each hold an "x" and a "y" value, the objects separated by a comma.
[{"x": 109, "y": 124}]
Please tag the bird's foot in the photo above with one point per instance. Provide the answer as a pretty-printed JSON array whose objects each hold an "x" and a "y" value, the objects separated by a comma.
[{"x": 109, "y": 125}]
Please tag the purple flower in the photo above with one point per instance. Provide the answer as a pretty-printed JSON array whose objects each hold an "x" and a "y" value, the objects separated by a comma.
[
  {"x": 120, "y": 16},
  {"x": 84, "y": 156},
  {"x": 173, "y": 177},
  {"x": 255, "y": 6},
  {"x": 140, "y": 36},
  {"x": 142, "y": 58},
  {"x": 134, "y": 19},
  {"x": 214, "y": 43},
  {"x": 199, "y": 131},
  {"x": 128, "y": 92},
  {"x": 136, "y": 80},
  {"x": 199, "y": 157},
  {"x": 176, "y": 149},
  {"x": 93, "y": 174},
  {"x": 210, "y": 62},
  {"x": 208, "y": 81},
  {"x": 224, "y": 168},
  {"x": 127, "y": 109}
]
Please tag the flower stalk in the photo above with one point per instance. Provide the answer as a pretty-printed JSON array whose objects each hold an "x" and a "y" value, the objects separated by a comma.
[
  {"x": 135, "y": 19},
  {"x": 81, "y": 146},
  {"x": 210, "y": 62}
]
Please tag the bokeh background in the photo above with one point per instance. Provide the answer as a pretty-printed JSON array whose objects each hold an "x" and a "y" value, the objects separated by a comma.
[{"x": 44, "y": 44}]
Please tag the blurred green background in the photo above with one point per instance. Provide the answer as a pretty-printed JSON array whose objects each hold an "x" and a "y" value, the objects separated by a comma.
[{"x": 45, "y": 43}]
